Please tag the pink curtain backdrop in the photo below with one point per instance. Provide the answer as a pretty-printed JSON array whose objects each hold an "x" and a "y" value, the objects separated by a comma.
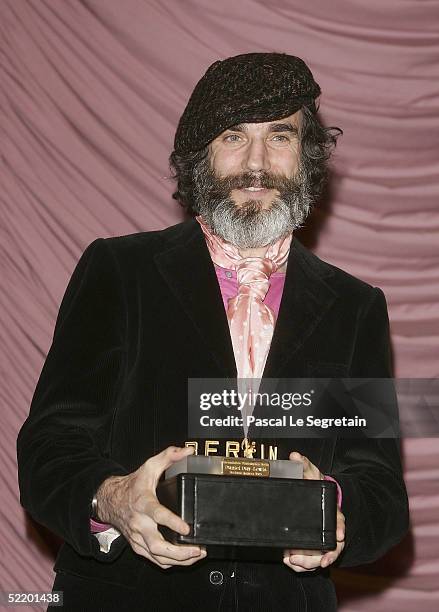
[{"x": 91, "y": 92}]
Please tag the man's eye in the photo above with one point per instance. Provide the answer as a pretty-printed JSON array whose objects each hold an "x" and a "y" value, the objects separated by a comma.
[
  {"x": 281, "y": 138},
  {"x": 232, "y": 138}
]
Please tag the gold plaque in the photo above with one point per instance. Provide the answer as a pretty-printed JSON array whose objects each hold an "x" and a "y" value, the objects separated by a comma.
[{"x": 245, "y": 467}]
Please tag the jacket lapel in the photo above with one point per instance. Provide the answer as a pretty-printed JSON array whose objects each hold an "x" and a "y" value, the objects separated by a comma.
[
  {"x": 188, "y": 270},
  {"x": 305, "y": 300}
]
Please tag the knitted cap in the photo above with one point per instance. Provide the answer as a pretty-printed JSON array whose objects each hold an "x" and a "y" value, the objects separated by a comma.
[{"x": 249, "y": 88}]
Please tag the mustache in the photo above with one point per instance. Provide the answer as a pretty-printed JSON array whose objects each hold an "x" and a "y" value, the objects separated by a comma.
[{"x": 264, "y": 180}]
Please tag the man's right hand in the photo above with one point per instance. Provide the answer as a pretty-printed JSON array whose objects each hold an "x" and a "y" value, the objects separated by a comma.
[{"x": 130, "y": 504}]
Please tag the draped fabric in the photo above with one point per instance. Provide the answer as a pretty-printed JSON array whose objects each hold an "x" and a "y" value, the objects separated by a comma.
[{"x": 91, "y": 92}]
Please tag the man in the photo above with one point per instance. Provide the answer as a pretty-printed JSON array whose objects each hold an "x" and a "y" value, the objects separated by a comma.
[{"x": 229, "y": 293}]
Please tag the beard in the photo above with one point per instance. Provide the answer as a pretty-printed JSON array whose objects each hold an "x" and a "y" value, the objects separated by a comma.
[{"x": 250, "y": 225}]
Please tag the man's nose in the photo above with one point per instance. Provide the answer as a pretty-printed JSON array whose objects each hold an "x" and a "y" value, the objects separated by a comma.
[{"x": 256, "y": 158}]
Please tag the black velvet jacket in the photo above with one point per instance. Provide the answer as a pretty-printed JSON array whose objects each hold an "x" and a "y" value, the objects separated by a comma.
[{"x": 141, "y": 315}]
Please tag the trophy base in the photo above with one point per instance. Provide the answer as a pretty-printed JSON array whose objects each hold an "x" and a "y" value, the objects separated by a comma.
[{"x": 251, "y": 518}]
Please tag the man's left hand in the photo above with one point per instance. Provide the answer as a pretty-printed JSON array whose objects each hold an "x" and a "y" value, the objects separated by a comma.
[{"x": 308, "y": 560}]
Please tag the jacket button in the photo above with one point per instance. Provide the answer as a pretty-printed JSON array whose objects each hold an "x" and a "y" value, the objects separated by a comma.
[{"x": 216, "y": 577}]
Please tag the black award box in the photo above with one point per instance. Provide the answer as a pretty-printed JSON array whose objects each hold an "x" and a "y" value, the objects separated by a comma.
[{"x": 249, "y": 508}]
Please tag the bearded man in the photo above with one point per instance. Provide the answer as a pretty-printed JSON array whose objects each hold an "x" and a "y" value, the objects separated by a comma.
[{"x": 229, "y": 293}]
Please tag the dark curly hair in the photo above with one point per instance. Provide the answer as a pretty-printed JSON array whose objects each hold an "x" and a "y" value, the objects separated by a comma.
[{"x": 317, "y": 143}]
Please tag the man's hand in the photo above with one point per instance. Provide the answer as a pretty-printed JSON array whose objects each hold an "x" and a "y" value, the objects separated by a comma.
[
  {"x": 308, "y": 560},
  {"x": 130, "y": 504}
]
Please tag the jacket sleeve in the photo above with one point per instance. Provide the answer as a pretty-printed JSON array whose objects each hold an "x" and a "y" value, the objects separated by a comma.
[
  {"x": 369, "y": 471},
  {"x": 64, "y": 445}
]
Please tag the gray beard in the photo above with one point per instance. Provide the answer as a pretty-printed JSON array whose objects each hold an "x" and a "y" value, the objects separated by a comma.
[{"x": 250, "y": 226}]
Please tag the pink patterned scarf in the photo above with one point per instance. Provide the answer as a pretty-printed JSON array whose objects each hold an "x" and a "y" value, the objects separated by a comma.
[{"x": 251, "y": 322}]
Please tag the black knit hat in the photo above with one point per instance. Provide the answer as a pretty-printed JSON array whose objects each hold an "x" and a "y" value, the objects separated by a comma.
[{"x": 249, "y": 88}]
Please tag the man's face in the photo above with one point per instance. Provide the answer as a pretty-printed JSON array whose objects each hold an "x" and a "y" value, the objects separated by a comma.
[
  {"x": 252, "y": 189},
  {"x": 254, "y": 157}
]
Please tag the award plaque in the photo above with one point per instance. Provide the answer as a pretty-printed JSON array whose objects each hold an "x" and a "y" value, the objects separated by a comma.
[{"x": 247, "y": 508}]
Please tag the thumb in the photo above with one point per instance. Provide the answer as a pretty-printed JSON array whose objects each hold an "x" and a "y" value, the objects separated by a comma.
[
  {"x": 295, "y": 456},
  {"x": 170, "y": 455}
]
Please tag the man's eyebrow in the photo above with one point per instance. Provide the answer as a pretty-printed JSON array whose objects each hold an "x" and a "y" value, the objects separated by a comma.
[
  {"x": 276, "y": 127},
  {"x": 283, "y": 127}
]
